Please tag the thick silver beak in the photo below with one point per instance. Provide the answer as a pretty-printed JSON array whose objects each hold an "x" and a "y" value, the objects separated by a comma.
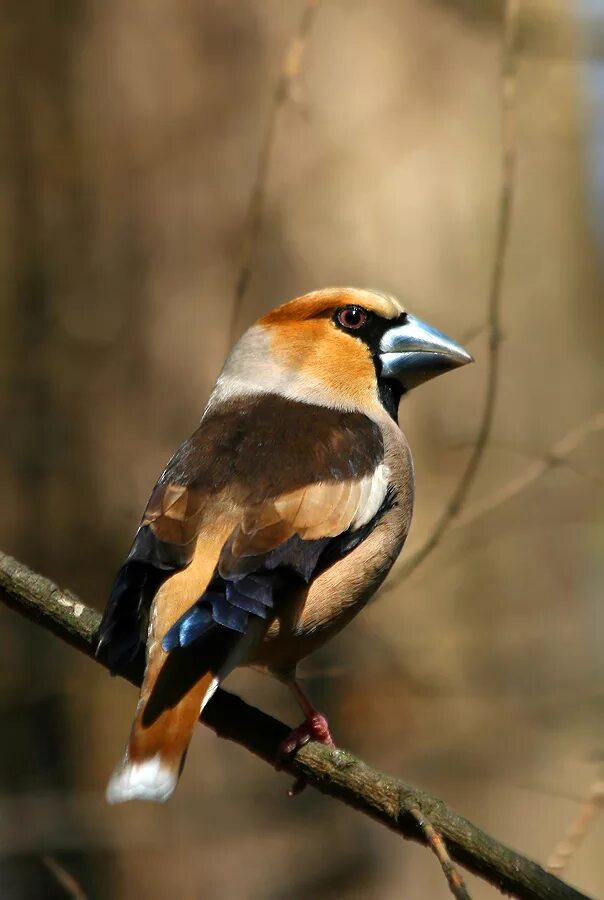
[{"x": 414, "y": 352}]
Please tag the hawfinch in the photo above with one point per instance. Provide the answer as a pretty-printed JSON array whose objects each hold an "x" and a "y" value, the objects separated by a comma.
[{"x": 275, "y": 522}]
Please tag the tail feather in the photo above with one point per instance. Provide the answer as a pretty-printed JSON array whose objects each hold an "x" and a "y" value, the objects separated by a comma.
[
  {"x": 178, "y": 682},
  {"x": 156, "y": 751},
  {"x": 151, "y": 779}
]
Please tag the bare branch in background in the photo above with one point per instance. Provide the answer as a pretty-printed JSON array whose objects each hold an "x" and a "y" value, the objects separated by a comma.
[
  {"x": 578, "y": 829},
  {"x": 437, "y": 845},
  {"x": 290, "y": 71},
  {"x": 334, "y": 772},
  {"x": 509, "y": 64},
  {"x": 64, "y": 878},
  {"x": 557, "y": 455},
  {"x": 472, "y": 333}
]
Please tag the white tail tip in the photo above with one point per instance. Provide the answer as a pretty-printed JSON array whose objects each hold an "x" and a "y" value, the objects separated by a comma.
[{"x": 150, "y": 779}]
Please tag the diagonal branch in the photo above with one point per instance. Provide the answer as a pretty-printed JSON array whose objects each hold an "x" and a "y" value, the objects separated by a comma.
[
  {"x": 437, "y": 845},
  {"x": 72, "y": 888},
  {"x": 577, "y": 830},
  {"x": 557, "y": 455},
  {"x": 334, "y": 772}
]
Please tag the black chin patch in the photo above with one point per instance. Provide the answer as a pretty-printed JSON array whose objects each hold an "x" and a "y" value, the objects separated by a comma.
[{"x": 390, "y": 393}]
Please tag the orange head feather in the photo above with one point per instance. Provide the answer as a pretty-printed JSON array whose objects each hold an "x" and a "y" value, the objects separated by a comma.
[{"x": 305, "y": 339}]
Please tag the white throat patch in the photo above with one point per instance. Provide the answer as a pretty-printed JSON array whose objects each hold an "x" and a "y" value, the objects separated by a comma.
[{"x": 251, "y": 369}]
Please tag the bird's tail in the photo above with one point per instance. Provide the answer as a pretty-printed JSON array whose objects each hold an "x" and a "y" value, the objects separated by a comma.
[{"x": 163, "y": 726}]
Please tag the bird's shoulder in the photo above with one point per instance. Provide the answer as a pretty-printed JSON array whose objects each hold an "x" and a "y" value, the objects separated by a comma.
[{"x": 274, "y": 443}]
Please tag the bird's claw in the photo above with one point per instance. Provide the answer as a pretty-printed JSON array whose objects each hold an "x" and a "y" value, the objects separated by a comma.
[{"x": 315, "y": 728}]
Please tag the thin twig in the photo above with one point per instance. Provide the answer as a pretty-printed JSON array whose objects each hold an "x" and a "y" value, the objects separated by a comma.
[
  {"x": 509, "y": 63},
  {"x": 437, "y": 845},
  {"x": 472, "y": 333},
  {"x": 336, "y": 773},
  {"x": 533, "y": 455},
  {"x": 557, "y": 455},
  {"x": 64, "y": 878},
  {"x": 577, "y": 830},
  {"x": 289, "y": 72}
]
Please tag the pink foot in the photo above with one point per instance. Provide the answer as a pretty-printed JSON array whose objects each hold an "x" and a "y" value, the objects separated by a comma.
[{"x": 315, "y": 728}]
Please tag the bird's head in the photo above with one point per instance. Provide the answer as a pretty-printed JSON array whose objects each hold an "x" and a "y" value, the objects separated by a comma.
[{"x": 341, "y": 347}]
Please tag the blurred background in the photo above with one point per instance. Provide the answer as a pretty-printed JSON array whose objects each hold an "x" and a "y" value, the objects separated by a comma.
[{"x": 130, "y": 141}]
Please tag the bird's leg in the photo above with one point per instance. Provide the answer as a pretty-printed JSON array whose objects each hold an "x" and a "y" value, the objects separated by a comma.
[{"x": 314, "y": 727}]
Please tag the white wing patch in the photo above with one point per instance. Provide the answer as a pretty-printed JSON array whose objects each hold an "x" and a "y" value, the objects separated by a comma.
[{"x": 373, "y": 494}]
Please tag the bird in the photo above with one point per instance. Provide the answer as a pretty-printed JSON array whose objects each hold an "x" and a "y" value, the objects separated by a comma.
[{"x": 275, "y": 522}]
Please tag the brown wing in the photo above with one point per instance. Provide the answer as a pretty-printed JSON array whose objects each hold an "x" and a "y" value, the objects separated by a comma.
[{"x": 274, "y": 467}]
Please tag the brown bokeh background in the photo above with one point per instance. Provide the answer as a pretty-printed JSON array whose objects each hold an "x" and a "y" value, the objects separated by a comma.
[{"x": 129, "y": 142}]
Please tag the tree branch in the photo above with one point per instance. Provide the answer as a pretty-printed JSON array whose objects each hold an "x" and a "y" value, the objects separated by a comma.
[
  {"x": 60, "y": 874},
  {"x": 290, "y": 70},
  {"x": 557, "y": 455},
  {"x": 334, "y": 772},
  {"x": 437, "y": 845},
  {"x": 509, "y": 65},
  {"x": 578, "y": 828}
]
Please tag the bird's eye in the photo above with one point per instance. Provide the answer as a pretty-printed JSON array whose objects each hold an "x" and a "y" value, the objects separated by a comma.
[{"x": 352, "y": 317}]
